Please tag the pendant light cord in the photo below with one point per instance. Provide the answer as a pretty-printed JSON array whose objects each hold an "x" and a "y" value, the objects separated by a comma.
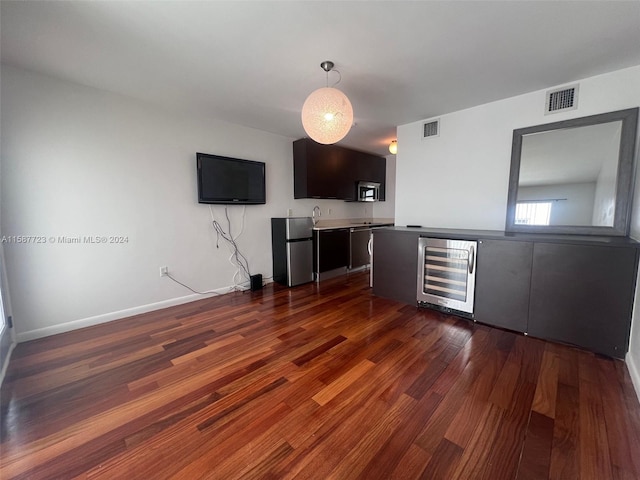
[{"x": 339, "y": 77}]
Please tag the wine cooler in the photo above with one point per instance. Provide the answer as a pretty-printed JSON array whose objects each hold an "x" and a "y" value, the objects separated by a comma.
[{"x": 446, "y": 275}]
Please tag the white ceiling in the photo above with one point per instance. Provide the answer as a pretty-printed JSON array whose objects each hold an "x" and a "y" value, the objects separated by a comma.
[{"x": 254, "y": 63}]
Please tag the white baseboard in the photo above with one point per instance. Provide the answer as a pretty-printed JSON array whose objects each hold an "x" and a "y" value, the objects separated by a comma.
[
  {"x": 634, "y": 372},
  {"x": 108, "y": 317}
]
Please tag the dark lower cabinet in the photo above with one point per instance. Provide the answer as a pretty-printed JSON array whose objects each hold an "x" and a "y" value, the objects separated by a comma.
[
  {"x": 503, "y": 280},
  {"x": 583, "y": 295},
  {"x": 395, "y": 265},
  {"x": 331, "y": 249},
  {"x": 580, "y": 293}
]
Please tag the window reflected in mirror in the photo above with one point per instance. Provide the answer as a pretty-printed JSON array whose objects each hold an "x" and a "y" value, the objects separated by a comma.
[{"x": 533, "y": 213}]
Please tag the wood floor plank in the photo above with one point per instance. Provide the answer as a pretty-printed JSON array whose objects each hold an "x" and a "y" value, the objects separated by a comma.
[
  {"x": 250, "y": 460},
  {"x": 443, "y": 419},
  {"x": 317, "y": 381},
  {"x": 198, "y": 449},
  {"x": 505, "y": 385},
  {"x": 536, "y": 452},
  {"x": 544, "y": 402},
  {"x": 355, "y": 462},
  {"x": 565, "y": 458},
  {"x": 595, "y": 460},
  {"x": 622, "y": 453},
  {"x": 320, "y": 349},
  {"x": 504, "y": 458},
  {"x": 323, "y": 451},
  {"x": 476, "y": 400},
  {"x": 392, "y": 451},
  {"x": 412, "y": 464},
  {"x": 333, "y": 389},
  {"x": 444, "y": 461},
  {"x": 479, "y": 447},
  {"x": 629, "y": 415}
]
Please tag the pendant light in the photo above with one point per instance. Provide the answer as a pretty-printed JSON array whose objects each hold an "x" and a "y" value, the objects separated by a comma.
[
  {"x": 327, "y": 114},
  {"x": 393, "y": 146}
]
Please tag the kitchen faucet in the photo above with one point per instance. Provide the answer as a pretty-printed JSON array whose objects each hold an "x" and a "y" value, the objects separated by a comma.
[{"x": 313, "y": 214}]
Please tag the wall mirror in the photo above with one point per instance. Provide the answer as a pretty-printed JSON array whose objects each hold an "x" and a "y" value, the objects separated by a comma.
[{"x": 573, "y": 176}]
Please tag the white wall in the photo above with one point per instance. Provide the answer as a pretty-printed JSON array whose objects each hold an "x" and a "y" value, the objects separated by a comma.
[
  {"x": 80, "y": 161},
  {"x": 7, "y": 337},
  {"x": 460, "y": 179}
]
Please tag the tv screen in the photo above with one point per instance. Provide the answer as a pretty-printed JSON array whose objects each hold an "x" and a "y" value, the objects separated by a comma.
[{"x": 230, "y": 181}]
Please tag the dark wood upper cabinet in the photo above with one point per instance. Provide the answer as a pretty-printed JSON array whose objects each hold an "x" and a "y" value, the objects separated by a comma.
[
  {"x": 332, "y": 171},
  {"x": 380, "y": 176},
  {"x": 315, "y": 170}
]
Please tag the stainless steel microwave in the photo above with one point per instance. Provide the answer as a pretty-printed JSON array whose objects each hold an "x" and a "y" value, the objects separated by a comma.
[{"x": 368, "y": 192}]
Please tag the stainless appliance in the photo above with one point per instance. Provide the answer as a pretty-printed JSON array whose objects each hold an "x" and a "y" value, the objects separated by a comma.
[
  {"x": 368, "y": 192},
  {"x": 292, "y": 250},
  {"x": 370, "y": 250},
  {"x": 446, "y": 274}
]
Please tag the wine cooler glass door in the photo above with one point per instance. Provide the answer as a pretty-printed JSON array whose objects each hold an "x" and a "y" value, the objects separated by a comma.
[{"x": 446, "y": 273}]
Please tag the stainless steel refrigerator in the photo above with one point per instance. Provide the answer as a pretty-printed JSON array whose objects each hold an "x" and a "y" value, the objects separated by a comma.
[{"x": 292, "y": 250}]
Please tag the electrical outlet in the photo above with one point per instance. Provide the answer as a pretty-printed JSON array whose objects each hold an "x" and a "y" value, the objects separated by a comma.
[
  {"x": 289, "y": 212},
  {"x": 164, "y": 271},
  {"x": 329, "y": 211}
]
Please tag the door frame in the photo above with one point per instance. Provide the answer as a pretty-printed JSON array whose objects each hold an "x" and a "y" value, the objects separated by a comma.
[{"x": 7, "y": 337}]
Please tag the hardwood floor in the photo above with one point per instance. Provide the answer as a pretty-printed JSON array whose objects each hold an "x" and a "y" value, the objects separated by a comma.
[{"x": 319, "y": 381}]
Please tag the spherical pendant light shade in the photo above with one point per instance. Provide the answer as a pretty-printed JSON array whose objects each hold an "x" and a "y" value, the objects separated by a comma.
[{"x": 327, "y": 115}]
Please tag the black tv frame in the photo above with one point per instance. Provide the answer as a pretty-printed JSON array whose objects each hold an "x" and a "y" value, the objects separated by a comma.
[{"x": 228, "y": 200}]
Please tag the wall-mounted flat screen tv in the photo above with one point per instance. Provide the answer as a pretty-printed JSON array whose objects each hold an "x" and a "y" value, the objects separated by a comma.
[{"x": 230, "y": 181}]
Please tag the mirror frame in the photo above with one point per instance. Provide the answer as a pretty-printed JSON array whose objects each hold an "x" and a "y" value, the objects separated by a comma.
[{"x": 624, "y": 183}]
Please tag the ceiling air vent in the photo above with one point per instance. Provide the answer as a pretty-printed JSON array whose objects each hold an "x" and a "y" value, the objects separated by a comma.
[
  {"x": 560, "y": 100},
  {"x": 431, "y": 129}
]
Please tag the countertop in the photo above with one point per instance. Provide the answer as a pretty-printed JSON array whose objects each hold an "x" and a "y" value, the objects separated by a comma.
[
  {"x": 463, "y": 234},
  {"x": 353, "y": 223}
]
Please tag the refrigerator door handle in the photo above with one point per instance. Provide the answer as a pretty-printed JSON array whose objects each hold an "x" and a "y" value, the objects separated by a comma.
[{"x": 472, "y": 259}]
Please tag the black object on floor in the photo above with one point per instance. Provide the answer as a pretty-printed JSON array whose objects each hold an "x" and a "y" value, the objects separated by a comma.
[{"x": 256, "y": 282}]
